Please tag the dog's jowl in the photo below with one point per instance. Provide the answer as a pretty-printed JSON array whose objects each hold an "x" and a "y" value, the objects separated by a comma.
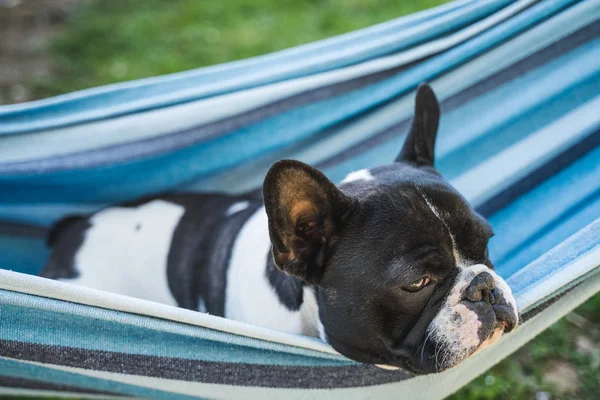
[{"x": 390, "y": 267}]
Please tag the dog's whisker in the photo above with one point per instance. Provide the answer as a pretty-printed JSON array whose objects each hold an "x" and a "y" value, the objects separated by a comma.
[
  {"x": 447, "y": 352},
  {"x": 436, "y": 355},
  {"x": 424, "y": 343}
]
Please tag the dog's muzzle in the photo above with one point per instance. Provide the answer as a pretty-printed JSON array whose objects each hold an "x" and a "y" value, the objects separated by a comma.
[
  {"x": 482, "y": 292},
  {"x": 479, "y": 309}
]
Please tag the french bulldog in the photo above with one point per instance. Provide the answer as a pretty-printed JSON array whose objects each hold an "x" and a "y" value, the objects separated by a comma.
[{"x": 390, "y": 267}]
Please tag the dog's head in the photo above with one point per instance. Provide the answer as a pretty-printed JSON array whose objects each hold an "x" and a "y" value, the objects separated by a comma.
[{"x": 398, "y": 258}]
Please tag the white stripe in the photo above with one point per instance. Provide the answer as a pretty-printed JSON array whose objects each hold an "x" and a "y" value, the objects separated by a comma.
[{"x": 237, "y": 207}]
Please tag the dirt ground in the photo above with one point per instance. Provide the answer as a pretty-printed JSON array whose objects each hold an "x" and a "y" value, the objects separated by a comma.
[{"x": 26, "y": 29}]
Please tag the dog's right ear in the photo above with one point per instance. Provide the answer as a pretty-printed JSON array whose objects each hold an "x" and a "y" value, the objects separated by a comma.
[
  {"x": 305, "y": 211},
  {"x": 419, "y": 145}
]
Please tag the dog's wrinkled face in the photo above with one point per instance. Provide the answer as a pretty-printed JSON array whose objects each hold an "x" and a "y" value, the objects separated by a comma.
[
  {"x": 409, "y": 282},
  {"x": 397, "y": 257}
]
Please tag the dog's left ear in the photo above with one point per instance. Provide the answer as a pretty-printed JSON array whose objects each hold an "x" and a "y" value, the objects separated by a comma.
[
  {"x": 305, "y": 211},
  {"x": 419, "y": 145}
]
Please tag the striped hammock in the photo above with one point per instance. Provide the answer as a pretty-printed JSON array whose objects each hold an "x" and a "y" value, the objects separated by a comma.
[{"x": 519, "y": 85}]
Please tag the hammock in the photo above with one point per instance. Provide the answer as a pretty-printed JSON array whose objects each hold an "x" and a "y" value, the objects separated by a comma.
[{"x": 519, "y": 85}]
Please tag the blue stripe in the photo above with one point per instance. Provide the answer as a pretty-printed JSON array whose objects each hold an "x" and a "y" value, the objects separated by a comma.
[
  {"x": 546, "y": 206},
  {"x": 557, "y": 259},
  {"x": 570, "y": 222},
  {"x": 26, "y": 255}
]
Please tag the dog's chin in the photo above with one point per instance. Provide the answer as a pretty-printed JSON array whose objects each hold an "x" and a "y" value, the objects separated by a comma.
[
  {"x": 438, "y": 360},
  {"x": 434, "y": 360},
  {"x": 493, "y": 337},
  {"x": 386, "y": 360},
  {"x": 405, "y": 360},
  {"x": 355, "y": 352}
]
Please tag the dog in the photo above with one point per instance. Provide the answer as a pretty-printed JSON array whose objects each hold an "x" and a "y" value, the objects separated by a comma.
[{"x": 390, "y": 267}]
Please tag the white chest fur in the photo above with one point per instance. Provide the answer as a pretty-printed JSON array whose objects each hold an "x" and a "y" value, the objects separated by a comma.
[
  {"x": 125, "y": 251},
  {"x": 250, "y": 297}
]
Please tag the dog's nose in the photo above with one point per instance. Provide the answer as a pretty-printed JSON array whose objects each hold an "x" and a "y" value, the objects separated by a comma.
[{"x": 482, "y": 288}]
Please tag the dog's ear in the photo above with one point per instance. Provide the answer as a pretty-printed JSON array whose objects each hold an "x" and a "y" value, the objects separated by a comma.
[
  {"x": 305, "y": 211},
  {"x": 419, "y": 144}
]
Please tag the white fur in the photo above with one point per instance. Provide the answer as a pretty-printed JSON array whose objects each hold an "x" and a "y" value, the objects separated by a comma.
[
  {"x": 250, "y": 297},
  {"x": 321, "y": 330},
  {"x": 360, "y": 175},
  {"x": 236, "y": 207},
  {"x": 458, "y": 339},
  {"x": 125, "y": 251},
  {"x": 201, "y": 305},
  {"x": 457, "y": 258},
  {"x": 388, "y": 367}
]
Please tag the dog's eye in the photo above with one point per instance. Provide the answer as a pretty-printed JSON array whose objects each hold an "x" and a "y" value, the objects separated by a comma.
[{"x": 417, "y": 285}]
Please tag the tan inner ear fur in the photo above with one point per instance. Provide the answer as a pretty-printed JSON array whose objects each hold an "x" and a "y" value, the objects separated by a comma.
[
  {"x": 302, "y": 208},
  {"x": 300, "y": 195}
]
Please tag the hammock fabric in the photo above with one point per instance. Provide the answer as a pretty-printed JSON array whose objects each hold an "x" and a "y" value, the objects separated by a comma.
[{"x": 519, "y": 84}]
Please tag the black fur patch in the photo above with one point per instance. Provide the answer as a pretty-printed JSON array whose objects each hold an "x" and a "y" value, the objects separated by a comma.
[
  {"x": 289, "y": 289},
  {"x": 60, "y": 227},
  {"x": 201, "y": 249},
  {"x": 65, "y": 237}
]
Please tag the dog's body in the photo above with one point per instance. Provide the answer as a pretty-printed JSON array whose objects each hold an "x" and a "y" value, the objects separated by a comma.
[
  {"x": 387, "y": 267},
  {"x": 208, "y": 253}
]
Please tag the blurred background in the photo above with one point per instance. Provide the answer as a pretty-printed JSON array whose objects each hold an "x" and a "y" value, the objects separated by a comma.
[{"x": 51, "y": 47}]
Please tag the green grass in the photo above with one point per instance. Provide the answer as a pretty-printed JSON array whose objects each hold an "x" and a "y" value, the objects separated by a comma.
[{"x": 111, "y": 41}]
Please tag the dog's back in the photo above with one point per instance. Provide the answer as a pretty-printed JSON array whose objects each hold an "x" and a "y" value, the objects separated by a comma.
[{"x": 171, "y": 249}]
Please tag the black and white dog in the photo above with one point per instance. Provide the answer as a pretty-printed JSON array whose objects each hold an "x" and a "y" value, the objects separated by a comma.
[{"x": 390, "y": 268}]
